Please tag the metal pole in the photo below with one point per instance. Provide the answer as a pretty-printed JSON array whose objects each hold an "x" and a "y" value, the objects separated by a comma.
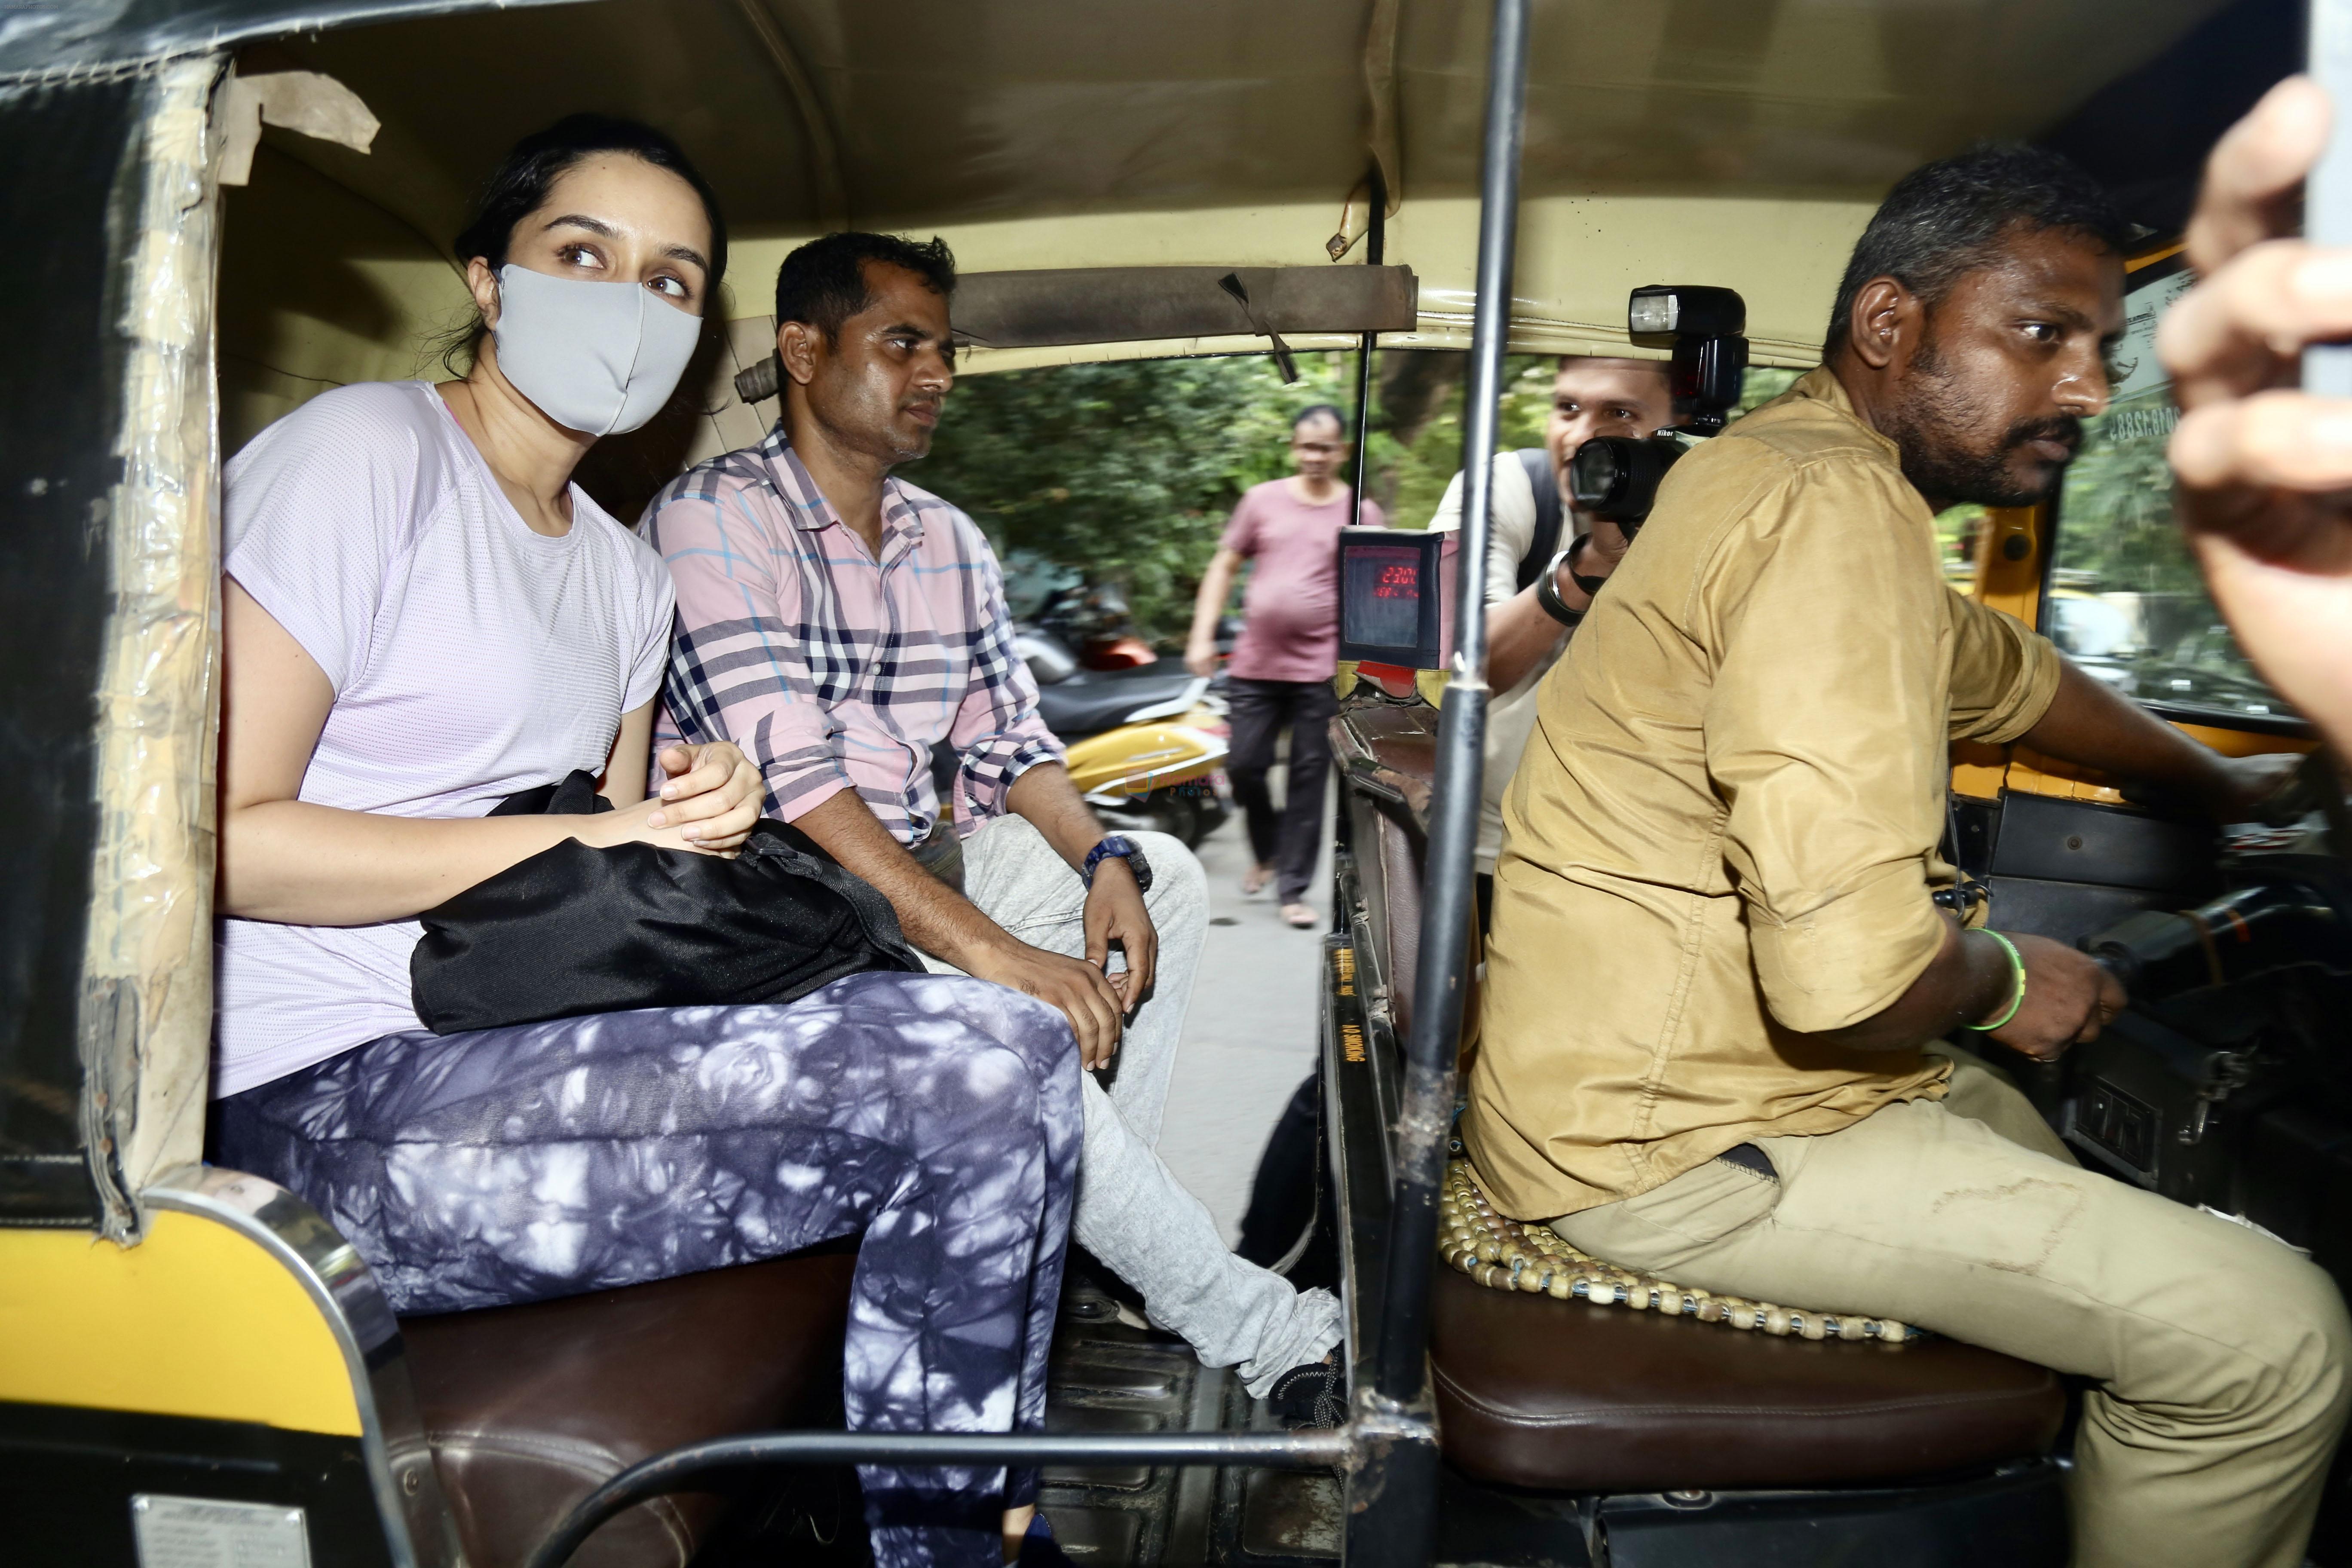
[
  {"x": 1446, "y": 891},
  {"x": 1375, "y": 248},
  {"x": 688, "y": 1468},
  {"x": 1376, "y": 234}
]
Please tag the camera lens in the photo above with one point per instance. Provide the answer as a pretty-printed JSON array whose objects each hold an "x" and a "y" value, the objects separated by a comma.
[
  {"x": 1616, "y": 476},
  {"x": 1595, "y": 475}
]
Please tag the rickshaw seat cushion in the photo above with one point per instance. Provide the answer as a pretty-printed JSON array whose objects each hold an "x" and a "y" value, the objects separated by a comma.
[
  {"x": 1563, "y": 1396},
  {"x": 530, "y": 1408}
]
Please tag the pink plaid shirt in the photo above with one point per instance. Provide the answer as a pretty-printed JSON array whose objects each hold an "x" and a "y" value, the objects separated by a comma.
[{"x": 832, "y": 670}]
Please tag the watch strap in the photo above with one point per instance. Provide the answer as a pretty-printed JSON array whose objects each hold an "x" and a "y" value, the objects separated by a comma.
[{"x": 1117, "y": 846}]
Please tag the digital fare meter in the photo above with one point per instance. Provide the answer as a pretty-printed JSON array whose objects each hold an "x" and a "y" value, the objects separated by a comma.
[{"x": 1396, "y": 597}]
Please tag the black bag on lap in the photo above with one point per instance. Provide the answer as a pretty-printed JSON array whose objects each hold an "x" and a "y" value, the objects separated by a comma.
[{"x": 574, "y": 930}]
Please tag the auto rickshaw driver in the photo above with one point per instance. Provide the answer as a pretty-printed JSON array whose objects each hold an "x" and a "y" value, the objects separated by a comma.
[{"x": 1729, "y": 814}]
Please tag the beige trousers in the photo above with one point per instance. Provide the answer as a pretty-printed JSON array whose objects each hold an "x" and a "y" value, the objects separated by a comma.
[{"x": 2220, "y": 1354}]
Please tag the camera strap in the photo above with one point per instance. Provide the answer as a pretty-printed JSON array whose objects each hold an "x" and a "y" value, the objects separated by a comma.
[{"x": 1537, "y": 461}]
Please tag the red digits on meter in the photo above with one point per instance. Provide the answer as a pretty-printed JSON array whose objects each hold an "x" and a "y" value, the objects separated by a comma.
[{"x": 1398, "y": 583}]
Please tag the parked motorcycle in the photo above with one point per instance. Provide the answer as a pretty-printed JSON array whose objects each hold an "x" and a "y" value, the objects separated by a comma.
[
  {"x": 1147, "y": 743},
  {"x": 1095, "y": 623}
]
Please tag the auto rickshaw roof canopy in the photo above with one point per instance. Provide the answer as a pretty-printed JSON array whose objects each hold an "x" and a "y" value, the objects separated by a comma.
[{"x": 1737, "y": 141}]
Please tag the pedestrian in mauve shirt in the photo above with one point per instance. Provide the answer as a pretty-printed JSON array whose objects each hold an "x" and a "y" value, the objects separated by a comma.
[{"x": 1282, "y": 667}]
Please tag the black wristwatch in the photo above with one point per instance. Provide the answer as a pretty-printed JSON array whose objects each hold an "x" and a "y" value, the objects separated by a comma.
[{"x": 1124, "y": 848}]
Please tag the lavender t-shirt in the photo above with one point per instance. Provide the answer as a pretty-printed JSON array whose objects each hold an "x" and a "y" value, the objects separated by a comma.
[
  {"x": 1290, "y": 617},
  {"x": 470, "y": 656}
]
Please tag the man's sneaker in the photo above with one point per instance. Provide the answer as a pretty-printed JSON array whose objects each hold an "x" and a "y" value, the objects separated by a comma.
[{"x": 1315, "y": 1395}]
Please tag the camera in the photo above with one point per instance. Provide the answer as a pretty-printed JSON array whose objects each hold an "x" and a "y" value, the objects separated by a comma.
[{"x": 1616, "y": 476}]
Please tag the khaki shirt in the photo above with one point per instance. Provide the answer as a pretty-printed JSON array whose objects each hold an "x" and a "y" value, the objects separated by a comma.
[{"x": 1723, "y": 832}]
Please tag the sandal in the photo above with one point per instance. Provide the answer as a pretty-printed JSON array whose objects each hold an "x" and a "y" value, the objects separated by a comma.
[
  {"x": 1300, "y": 915},
  {"x": 1255, "y": 880}
]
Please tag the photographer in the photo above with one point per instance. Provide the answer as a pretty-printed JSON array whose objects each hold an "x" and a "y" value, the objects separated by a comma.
[{"x": 1590, "y": 396}]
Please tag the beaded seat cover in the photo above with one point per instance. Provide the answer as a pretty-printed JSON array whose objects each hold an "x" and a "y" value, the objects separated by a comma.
[{"x": 1505, "y": 1255}]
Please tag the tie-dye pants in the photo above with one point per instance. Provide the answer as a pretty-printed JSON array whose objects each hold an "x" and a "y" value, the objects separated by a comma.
[{"x": 939, "y": 1115}]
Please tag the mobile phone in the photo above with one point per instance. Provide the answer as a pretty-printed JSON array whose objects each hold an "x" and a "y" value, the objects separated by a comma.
[{"x": 2328, "y": 196}]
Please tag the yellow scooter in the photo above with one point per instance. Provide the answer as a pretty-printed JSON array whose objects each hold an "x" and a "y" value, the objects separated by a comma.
[{"x": 1147, "y": 746}]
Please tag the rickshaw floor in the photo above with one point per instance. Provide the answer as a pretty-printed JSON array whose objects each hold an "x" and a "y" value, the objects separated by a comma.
[
  {"x": 1111, "y": 1378},
  {"x": 1106, "y": 1378}
]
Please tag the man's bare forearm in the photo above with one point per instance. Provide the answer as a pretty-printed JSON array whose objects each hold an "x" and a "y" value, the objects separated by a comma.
[
  {"x": 2089, "y": 723},
  {"x": 935, "y": 917},
  {"x": 1969, "y": 978},
  {"x": 1046, "y": 795},
  {"x": 1216, "y": 587},
  {"x": 1521, "y": 635}
]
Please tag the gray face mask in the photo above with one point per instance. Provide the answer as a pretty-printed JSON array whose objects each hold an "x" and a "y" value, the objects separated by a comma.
[{"x": 601, "y": 358}]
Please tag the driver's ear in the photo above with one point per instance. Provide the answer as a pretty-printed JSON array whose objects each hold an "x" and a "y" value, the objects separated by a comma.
[
  {"x": 1886, "y": 316},
  {"x": 798, "y": 346}
]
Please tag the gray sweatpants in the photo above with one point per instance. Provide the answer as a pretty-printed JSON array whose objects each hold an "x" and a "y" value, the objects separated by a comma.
[{"x": 1132, "y": 1213}]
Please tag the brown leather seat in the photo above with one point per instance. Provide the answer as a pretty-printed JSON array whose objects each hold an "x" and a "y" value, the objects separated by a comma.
[
  {"x": 1566, "y": 1397},
  {"x": 530, "y": 1408}
]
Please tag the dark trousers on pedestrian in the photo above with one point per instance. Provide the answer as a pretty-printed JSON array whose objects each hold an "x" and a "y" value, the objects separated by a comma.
[{"x": 1291, "y": 841}]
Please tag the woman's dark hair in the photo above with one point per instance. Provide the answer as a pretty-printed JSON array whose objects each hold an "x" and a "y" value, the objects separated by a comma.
[
  {"x": 518, "y": 187},
  {"x": 1320, "y": 411},
  {"x": 823, "y": 282},
  {"x": 1949, "y": 218}
]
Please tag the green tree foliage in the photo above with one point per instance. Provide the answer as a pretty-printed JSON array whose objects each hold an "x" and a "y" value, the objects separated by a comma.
[
  {"x": 2116, "y": 530},
  {"x": 1127, "y": 471}
]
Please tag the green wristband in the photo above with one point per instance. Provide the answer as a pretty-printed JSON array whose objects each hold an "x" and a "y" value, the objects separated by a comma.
[{"x": 2016, "y": 1002}]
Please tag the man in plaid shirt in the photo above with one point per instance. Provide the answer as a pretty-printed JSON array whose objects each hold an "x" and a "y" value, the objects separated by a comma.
[{"x": 838, "y": 624}]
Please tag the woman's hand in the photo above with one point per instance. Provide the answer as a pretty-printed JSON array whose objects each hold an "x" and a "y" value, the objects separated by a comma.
[
  {"x": 634, "y": 825},
  {"x": 712, "y": 799}
]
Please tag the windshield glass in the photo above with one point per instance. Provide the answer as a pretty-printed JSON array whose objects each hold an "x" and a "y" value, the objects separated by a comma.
[{"x": 2125, "y": 600}]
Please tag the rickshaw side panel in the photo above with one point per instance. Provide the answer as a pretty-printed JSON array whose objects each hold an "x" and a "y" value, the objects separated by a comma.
[
  {"x": 144, "y": 1328},
  {"x": 238, "y": 1355},
  {"x": 64, "y": 149}
]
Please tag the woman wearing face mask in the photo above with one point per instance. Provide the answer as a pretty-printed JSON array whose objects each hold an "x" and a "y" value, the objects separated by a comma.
[{"x": 423, "y": 616}]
